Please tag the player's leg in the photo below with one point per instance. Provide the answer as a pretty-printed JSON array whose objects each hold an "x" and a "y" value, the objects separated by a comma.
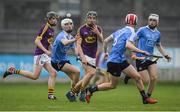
[
  {"x": 126, "y": 79},
  {"x": 145, "y": 76},
  {"x": 109, "y": 85},
  {"x": 130, "y": 70},
  {"x": 27, "y": 74},
  {"x": 142, "y": 70},
  {"x": 73, "y": 73},
  {"x": 103, "y": 77},
  {"x": 89, "y": 73},
  {"x": 94, "y": 79},
  {"x": 115, "y": 71},
  {"x": 152, "y": 69},
  {"x": 51, "y": 81},
  {"x": 38, "y": 65}
]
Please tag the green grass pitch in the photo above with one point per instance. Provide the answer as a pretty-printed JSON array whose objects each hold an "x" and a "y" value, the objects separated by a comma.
[{"x": 33, "y": 96}]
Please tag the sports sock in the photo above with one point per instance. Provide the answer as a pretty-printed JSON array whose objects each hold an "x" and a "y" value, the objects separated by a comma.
[
  {"x": 75, "y": 90},
  {"x": 143, "y": 94},
  {"x": 50, "y": 91},
  {"x": 17, "y": 71},
  {"x": 93, "y": 89},
  {"x": 149, "y": 94}
]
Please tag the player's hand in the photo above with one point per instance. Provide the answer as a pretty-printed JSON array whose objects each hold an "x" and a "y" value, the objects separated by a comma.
[
  {"x": 77, "y": 37},
  {"x": 48, "y": 53},
  {"x": 95, "y": 29},
  {"x": 106, "y": 55},
  {"x": 168, "y": 57},
  {"x": 84, "y": 61},
  {"x": 145, "y": 53},
  {"x": 133, "y": 57}
]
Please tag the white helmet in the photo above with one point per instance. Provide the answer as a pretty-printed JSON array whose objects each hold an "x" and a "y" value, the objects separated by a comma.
[
  {"x": 65, "y": 21},
  {"x": 154, "y": 16}
]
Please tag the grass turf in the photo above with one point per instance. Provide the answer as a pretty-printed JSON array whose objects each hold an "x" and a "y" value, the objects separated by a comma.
[{"x": 32, "y": 96}]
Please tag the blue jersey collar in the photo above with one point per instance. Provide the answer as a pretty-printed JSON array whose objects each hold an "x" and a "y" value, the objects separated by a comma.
[{"x": 155, "y": 29}]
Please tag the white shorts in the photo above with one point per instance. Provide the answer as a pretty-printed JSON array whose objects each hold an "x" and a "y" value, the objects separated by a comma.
[
  {"x": 41, "y": 59},
  {"x": 90, "y": 60}
]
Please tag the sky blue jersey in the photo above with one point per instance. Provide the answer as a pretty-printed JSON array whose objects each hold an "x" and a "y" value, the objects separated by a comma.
[
  {"x": 59, "y": 51},
  {"x": 120, "y": 37},
  {"x": 147, "y": 39}
]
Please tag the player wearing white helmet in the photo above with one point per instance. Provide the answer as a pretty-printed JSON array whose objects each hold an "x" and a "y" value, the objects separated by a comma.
[
  {"x": 62, "y": 44},
  {"x": 148, "y": 38},
  {"x": 117, "y": 62}
]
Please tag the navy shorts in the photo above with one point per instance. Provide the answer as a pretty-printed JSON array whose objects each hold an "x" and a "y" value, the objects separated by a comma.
[
  {"x": 116, "y": 68},
  {"x": 58, "y": 66},
  {"x": 143, "y": 66}
]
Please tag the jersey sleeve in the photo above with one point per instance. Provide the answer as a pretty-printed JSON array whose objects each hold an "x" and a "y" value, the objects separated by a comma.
[{"x": 42, "y": 31}]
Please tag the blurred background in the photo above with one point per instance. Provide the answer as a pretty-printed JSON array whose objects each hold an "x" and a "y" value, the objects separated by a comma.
[{"x": 20, "y": 20}]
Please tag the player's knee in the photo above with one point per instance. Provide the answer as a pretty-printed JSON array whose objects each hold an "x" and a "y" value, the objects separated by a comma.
[
  {"x": 137, "y": 78},
  {"x": 112, "y": 86},
  {"x": 77, "y": 72},
  {"x": 90, "y": 75},
  {"x": 153, "y": 78},
  {"x": 35, "y": 77},
  {"x": 53, "y": 74},
  {"x": 145, "y": 80}
]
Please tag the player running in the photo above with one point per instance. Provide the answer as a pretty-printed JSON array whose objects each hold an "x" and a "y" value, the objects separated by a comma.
[
  {"x": 63, "y": 43},
  {"x": 89, "y": 35},
  {"x": 148, "y": 38},
  {"x": 101, "y": 74},
  {"x": 43, "y": 44},
  {"x": 117, "y": 63}
]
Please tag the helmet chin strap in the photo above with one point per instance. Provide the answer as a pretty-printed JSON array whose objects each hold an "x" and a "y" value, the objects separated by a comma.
[
  {"x": 51, "y": 24},
  {"x": 152, "y": 27},
  {"x": 69, "y": 31}
]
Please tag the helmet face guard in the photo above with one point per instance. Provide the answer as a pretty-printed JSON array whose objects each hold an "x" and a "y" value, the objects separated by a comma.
[
  {"x": 91, "y": 13},
  {"x": 131, "y": 19},
  {"x": 52, "y": 14}
]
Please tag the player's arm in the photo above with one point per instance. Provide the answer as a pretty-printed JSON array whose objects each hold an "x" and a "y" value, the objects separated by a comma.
[
  {"x": 134, "y": 57},
  {"x": 50, "y": 47},
  {"x": 67, "y": 42},
  {"x": 79, "y": 49},
  {"x": 131, "y": 46},
  {"x": 98, "y": 33},
  {"x": 106, "y": 41},
  {"x": 38, "y": 41},
  {"x": 162, "y": 51},
  {"x": 134, "y": 40},
  {"x": 39, "y": 44}
]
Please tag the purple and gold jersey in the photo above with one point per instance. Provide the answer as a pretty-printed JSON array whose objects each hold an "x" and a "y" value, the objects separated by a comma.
[
  {"x": 89, "y": 40},
  {"x": 45, "y": 34}
]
